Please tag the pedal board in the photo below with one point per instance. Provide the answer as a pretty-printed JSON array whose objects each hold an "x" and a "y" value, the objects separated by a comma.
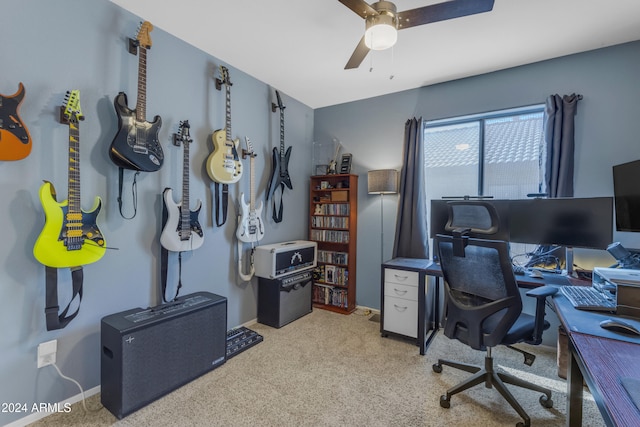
[{"x": 241, "y": 339}]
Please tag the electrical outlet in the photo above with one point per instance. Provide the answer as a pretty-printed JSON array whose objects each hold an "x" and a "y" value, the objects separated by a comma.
[{"x": 47, "y": 353}]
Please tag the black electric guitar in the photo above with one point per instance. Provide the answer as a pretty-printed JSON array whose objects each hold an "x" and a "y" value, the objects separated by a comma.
[
  {"x": 280, "y": 161},
  {"x": 15, "y": 141},
  {"x": 250, "y": 226},
  {"x": 182, "y": 231},
  {"x": 70, "y": 236},
  {"x": 136, "y": 145}
]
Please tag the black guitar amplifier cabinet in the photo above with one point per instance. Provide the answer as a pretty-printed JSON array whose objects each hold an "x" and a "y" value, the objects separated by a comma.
[
  {"x": 283, "y": 300},
  {"x": 147, "y": 353}
]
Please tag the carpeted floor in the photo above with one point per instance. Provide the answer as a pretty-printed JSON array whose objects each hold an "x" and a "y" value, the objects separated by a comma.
[{"x": 328, "y": 369}]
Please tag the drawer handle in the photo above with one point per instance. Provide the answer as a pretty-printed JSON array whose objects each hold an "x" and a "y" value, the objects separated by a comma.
[
  {"x": 400, "y": 308},
  {"x": 399, "y": 291},
  {"x": 401, "y": 277}
]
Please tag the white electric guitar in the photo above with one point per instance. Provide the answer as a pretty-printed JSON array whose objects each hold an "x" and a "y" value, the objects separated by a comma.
[
  {"x": 182, "y": 231},
  {"x": 250, "y": 225}
]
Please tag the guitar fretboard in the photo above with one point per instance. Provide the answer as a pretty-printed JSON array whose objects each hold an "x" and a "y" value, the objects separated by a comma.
[
  {"x": 74, "y": 168},
  {"x": 141, "y": 103},
  {"x": 185, "y": 215},
  {"x": 228, "y": 114}
]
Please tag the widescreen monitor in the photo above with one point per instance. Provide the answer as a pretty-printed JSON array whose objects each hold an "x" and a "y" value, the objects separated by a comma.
[
  {"x": 626, "y": 189},
  {"x": 571, "y": 222}
]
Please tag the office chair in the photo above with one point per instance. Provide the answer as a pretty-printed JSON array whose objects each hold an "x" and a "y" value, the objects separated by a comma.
[{"x": 484, "y": 309}]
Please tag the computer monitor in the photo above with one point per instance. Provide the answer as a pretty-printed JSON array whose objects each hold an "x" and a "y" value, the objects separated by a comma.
[
  {"x": 626, "y": 189},
  {"x": 570, "y": 222}
]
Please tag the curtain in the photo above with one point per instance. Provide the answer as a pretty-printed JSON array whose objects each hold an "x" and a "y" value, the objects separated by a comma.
[
  {"x": 559, "y": 132},
  {"x": 411, "y": 238}
]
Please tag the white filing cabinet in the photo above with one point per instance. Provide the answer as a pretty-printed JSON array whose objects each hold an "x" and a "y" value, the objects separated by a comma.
[{"x": 400, "y": 296}]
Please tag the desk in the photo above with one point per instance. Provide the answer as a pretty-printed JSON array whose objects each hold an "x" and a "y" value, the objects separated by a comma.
[{"x": 601, "y": 358}]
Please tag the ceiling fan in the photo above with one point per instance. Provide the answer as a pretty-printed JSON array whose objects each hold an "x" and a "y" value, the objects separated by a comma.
[{"x": 382, "y": 21}]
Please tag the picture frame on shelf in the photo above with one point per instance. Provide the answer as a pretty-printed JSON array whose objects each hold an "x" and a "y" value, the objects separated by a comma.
[{"x": 345, "y": 163}]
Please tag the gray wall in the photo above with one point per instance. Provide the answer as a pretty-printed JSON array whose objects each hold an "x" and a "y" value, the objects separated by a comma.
[
  {"x": 55, "y": 46},
  {"x": 607, "y": 129}
]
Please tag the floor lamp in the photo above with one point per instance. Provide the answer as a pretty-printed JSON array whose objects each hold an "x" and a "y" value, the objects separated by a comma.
[{"x": 382, "y": 181}]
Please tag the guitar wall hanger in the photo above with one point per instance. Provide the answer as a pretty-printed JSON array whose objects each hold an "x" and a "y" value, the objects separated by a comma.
[
  {"x": 249, "y": 154},
  {"x": 64, "y": 118}
]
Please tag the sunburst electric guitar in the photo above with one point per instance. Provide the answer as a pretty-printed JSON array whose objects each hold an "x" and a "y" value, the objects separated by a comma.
[
  {"x": 250, "y": 226},
  {"x": 223, "y": 164},
  {"x": 136, "y": 145},
  {"x": 15, "y": 141},
  {"x": 182, "y": 231},
  {"x": 70, "y": 236}
]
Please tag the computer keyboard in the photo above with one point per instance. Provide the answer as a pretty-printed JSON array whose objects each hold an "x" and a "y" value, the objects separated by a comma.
[
  {"x": 240, "y": 339},
  {"x": 586, "y": 298}
]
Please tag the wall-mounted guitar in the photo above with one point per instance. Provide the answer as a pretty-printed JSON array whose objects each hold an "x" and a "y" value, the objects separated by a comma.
[
  {"x": 250, "y": 226},
  {"x": 136, "y": 145},
  {"x": 15, "y": 141},
  {"x": 280, "y": 165},
  {"x": 70, "y": 236},
  {"x": 223, "y": 164},
  {"x": 182, "y": 231}
]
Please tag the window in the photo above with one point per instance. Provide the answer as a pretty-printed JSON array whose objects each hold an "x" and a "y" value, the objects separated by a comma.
[{"x": 497, "y": 154}]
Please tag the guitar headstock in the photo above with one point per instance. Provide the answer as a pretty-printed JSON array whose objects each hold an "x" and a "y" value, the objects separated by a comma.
[
  {"x": 183, "y": 134},
  {"x": 274, "y": 107},
  {"x": 71, "y": 112},
  {"x": 142, "y": 37},
  {"x": 224, "y": 78},
  {"x": 248, "y": 152}
]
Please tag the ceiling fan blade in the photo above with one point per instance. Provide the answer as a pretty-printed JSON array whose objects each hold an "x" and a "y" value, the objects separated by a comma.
[
  {"x": 360, "y": 7},
  {"x": 442, "y": 11},
  {"x": 358, "y": 55}
]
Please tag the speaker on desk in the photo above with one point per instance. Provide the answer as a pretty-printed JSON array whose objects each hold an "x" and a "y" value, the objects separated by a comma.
[{"x": 147, "y": 353}]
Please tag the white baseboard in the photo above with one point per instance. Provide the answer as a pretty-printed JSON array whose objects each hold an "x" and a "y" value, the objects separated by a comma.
[{"x": 40, "y": 415}]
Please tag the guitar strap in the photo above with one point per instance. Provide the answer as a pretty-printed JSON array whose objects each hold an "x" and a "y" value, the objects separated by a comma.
[
  {"x": 164, "y": 262},
  {"x": 134, "y": 192},
  {"x": 221, "y": 202},
  {"x": 277, "y": 214},
  {"x": 56, "y": 320}
]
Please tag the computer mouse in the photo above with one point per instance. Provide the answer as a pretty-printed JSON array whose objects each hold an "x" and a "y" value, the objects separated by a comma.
[
  {"x": 536, "y": 274},
  {"x": 620, "y": 326}
]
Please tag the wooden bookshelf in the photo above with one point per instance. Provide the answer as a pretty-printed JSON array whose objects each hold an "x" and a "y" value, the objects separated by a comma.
[{"x": 333, "y": 224}]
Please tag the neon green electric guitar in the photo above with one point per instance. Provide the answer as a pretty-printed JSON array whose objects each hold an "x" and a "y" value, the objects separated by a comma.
[{"x": 70, "y": 236}]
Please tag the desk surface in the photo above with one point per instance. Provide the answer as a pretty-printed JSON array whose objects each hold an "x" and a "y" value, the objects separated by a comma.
[{"x": 604, "y": 358}]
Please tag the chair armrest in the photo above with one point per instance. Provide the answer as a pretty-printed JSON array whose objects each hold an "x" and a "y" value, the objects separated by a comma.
[
  {"x": 542, "y": 291},
  {"x": 540, "y": 294}
]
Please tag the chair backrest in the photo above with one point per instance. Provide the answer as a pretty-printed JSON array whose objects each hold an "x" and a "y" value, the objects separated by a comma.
[
  {"x": 482, "y": 296},
  {"x": 478, "y": 216}
]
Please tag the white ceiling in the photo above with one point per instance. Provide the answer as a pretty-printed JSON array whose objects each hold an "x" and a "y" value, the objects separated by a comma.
[{"x": 300, "y": 47}]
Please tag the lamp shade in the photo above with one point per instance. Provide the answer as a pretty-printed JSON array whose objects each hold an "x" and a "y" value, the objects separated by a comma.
[
  {"x": 382, "y": 181},
  {"x": 381, "y": 31}
]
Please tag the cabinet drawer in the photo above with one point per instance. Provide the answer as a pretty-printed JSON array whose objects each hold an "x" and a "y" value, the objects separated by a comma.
[
  {"x": 401, "y": 316},
  {"x": 402, "y": 277},
  {"x": 401, "y": 291}
]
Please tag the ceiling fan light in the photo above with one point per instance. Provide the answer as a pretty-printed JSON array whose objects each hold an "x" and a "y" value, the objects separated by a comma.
[{"x": 381, "y": 31}]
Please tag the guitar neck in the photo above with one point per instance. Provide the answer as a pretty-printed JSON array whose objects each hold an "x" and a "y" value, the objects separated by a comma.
[
  {"x": 74, "y": 169},
  {"x": 184, "y": 211},
  {"x": 141, "y": 103},
  {"x": 252, "y": 199},
  {"x": 228, "y": 113},
  {"x": 281, "y": 135}
]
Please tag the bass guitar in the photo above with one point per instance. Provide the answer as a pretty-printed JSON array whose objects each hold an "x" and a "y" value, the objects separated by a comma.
[
  {"x": 15, "y": 141},
  {"x": 136, "y": 145},
  {"x": 182, "y": 231},
  {"x": 70, "y": 236},
  {"x": 250, "y": 226},
  {"x": 223, "y": 164}
]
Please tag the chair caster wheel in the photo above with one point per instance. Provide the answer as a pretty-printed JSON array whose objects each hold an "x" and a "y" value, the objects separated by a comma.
[
  {"x": 546, "y": 402},
  {"x": 437, "y": 368},
  {"x": 444, "y": 401}
]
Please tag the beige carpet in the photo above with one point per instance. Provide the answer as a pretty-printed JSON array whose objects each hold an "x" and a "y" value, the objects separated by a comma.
[{"x": 328, "y": 369}]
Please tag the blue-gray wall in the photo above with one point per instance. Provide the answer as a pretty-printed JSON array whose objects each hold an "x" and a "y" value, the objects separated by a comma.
[
  {"x": 55, "y": 46},
  {"x": 607, "y": 133},
  {"x": 68, "y": 44}
]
